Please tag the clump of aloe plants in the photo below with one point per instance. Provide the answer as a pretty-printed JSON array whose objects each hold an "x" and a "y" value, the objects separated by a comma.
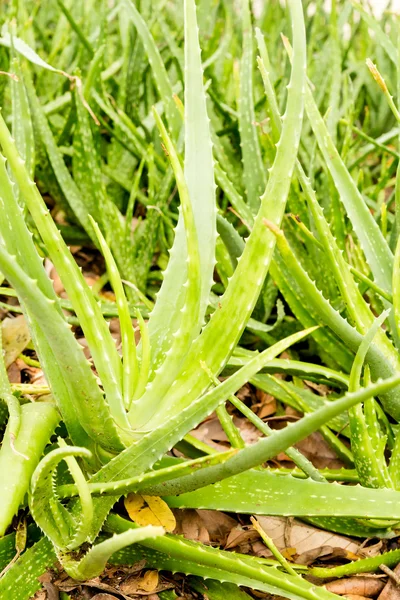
[{"x": 268, "y": 191}]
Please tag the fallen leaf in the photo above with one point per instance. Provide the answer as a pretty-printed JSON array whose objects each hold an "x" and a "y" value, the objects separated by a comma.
[
  {"x": 239, "y": 537},
  {"x": 321, "y": 388},
  {"x": 147, "y": 585},
  {"x": 211, "y": 432},
  {"x": 310, "y": 556},
  {"x": 303, "y": 537},
  {"x": 150, "y": 510},
  {"x": 102, "y": 596},
  {"x": 14, "y": 371},
  {"x": 318, "y": 451},
  {"x": 191, "y": 526},
  {"x": 361, "y": 586},
  {"x": 248, "y": 431},
  {"x": 149, "y": 581},
  {"x": 15, "y": 336},
  {"x": 265, "y": 406},
  {"x": 391, "y": 591},
  {"x": 218, "y": 524}
]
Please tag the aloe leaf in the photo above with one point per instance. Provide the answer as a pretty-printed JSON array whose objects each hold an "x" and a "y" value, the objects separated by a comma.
[
  {"x": 79, "y": 397},
  {"x": 64, "y": 179},
  {"x": 153, "y": 477},
  {"x": 383, "y": 39},
  {"x": 290, "y": 496},
  {"x": 17, "y": 238},
  {"x": 267, "y": 448},
  {"x": 94, "y": 561},
  {"x": 225, "y": 327},
  {"x": 22, "y": 129},
  {"x": 218, "y": 591},
  {"x": 253, "y": 170},
  {"x": 37, "y": 425},
  {"x": 27, "y": 52},
  {"x": 160, "y": 75},
  {"x": 326, "y": 314},
  {"x": 21, "y": 581},
  {"x": 366, "y": 457},
  {"x": 364, "y": 565},
  {"x": 376, "y": 249},
  {"x": 332, "y": 349},
  {"x": 144, "y": 453},
  {"x": 358, "y": 310},
  {"x": 200, "y": 183},
  {"x": 129, "y": 365},
  {"x": 189, "y": 325},
  {"x": 177, "y": 554},
  {"x": 329, "y": 344},
  {"x": 301, "y": 369},
  {"x": 102, "y": 345},
  {"x": 88, "y": 176},
  {"x": 65, "y": 532},
  {"x": 18, "y": 241}
]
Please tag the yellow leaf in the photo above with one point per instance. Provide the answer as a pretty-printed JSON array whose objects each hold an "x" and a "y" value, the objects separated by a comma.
[
  {"x": 150, "y": 510},
  {"x": 149, "y": 582}
]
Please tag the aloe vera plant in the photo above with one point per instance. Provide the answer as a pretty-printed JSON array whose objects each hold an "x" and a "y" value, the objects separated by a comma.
[{"x": 122, "y": 413}]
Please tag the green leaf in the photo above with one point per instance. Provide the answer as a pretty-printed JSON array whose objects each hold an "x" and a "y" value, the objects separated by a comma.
[{"x": 253, "y": 169}]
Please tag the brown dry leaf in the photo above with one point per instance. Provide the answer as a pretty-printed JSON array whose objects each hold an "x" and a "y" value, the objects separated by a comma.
[
  {"x": 150, "y": 510},
  {"x": 211, "y": 432},
  {"x": 239, "y": 537},
  {"x": 265, "y": 406},
  {"x": 361, "y": 586},
  {"x": 370, "y": 551},
  {"x": 318, "y": 451},
  {"x": 15, "y": 336},
  {"x": 355, "y": 597},
  {"x": 14, "y": 371},
  {"x": 244, "y": 393},
  {"x": 391, "y": 591},
  {"x": 218, "y": 525},
  {"x": 204, "y": 525},
  {"x": 248, "y": 431},
  {"x": 303, "y": 537},
  {"x": 191, "y": 526},
  {"x": 310, "y": 556},
  {"x": 102, "y": 596},
  {"x": 321, "y": 388}
]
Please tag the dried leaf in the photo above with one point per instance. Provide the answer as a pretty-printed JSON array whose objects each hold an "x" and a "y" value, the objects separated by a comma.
[
  {"x": 239, "y": 537},
  {"x": 303, "y": 537},
  {"x": 391, "y": 591},
  {"x": 310, "y": 556},
  {"x": 265, "y": 406},
  {"x": 147, "y": 585},
  {"x": 361, "y": 586},
  {"x": 316, "y": 449},
  {"x": 16, "y": 337},
  {"x": 150, "y": 510},
  {"x": 149, "y": 581},
  {"x": 191, "y": 526},
  {"x": 218, "y": 524}
]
